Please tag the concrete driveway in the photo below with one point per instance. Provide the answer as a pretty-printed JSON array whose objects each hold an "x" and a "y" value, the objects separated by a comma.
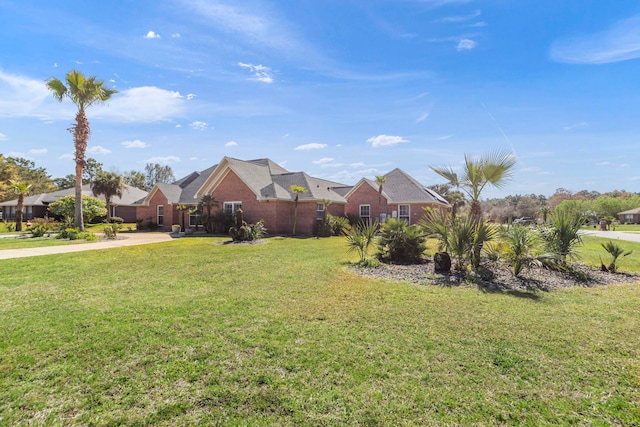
[
  {"x": 614, "y": 235},
  {"x": 124, "y": 239}
]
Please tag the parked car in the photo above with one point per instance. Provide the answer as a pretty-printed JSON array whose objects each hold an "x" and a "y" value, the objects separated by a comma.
[{"x": 525, "y": 220}]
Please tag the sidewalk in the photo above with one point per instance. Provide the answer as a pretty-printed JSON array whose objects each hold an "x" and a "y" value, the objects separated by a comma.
[{"x": 124, "y": 239}]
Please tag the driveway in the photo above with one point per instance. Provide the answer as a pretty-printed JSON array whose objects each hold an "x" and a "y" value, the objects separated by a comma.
[
  {"x": 614, "y": 235},
  {"x": 124, "y": 239}
]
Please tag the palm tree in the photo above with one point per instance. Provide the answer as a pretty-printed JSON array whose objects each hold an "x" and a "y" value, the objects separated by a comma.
[
  {"x": 494, "y": 168},
  {"x": 207, "y": 203},
  {"x": 298, "y": 190},
  {"x": 109, "y": 184},
  {"x": 84, "y": 92},
  {"x": 21, "y": 189},
  {"x": 380, "y": 179}
]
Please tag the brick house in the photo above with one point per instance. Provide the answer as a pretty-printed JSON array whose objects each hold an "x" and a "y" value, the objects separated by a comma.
[
  {"x": 402, "y": 197},
  {"x": 37, "y": 206},
  {"x": 631, "y": 216},
  {"x": 262, "y": 189}
]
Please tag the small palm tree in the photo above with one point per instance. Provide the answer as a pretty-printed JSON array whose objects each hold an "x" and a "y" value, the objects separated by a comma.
[
  {"x": 616, "y": 252},
  {"x": 21, "y": 189},
  {"x": 380, "y": 179},
  {"x": 297, "y": 190},
  {"x": 207, "y": 203},
  {"x": 563, "y": 236},
  {"x": 360, "y": 238},
  {"x": 494, "y": 168},
  {"x": 109, "y": 184},
  {"x": 521, "y": 247},
  {"x": 84, "y": 92}
]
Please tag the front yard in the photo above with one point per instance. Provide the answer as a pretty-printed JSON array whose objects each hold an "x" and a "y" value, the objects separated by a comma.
[{"x": 282, "y": 333}]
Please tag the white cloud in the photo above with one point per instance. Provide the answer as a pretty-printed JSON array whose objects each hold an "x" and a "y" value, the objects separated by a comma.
[
  {"x": 3, "y": 137},
  {"x": 576, "y": 126},
  {"x": 152, "y": 35},
  {"x": 98, "y": 149},
  {"x": 135, "y": 144},
  {"x": 163, "y": 160},
  {"x": 231, "y": 144},
  {"x": 38, "y": 151},
  {"x": 67, "y": 156},
  {"x": 22, "y": 96},
  {"x": 193, "y": 158},
  {"x": 385, "y": 140},
  {"x": 466, "y": 44},
  {"x": 176, "y": 35},
  {"x": 312, "y": 146},
  {"x": 197, "y": 125},
  {"x": 190, "y": 96},
  {"x": 327, "y": 162},
  {"x": 620, "y": 42},
  {"x": 261, "y": 73},
  {"x": 143, "y": 104},
  {"x": 461, "y": 18},
  {"x": 422, "y": 118},
  {"x": 478, "y": 24}
]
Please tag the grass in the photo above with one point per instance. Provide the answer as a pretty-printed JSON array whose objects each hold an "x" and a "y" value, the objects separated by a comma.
[
  {"x": 189, "y": 332},
  {"x": 591, "y": 251},
  {"x": 34, "y": 242}
]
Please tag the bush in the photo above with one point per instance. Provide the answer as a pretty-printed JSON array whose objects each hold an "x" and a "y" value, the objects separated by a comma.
[
  {"x": 116, "y": 220},
  {"x": 40, "y": 227},
  {"x": 400, "y": 242},
  {"x": 248, "y": 232},
  {"x": 11, "y": 226},
  {"x": 111, "y": 231},
  {"x": 360, "y": 237}
]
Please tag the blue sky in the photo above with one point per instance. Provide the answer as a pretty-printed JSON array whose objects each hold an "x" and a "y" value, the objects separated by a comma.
[{"x": 340, "y": 89}]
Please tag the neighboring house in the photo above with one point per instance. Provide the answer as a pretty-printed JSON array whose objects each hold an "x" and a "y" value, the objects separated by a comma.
[
  {"x": 36, "y": 206},
  {"x": 262, "y": 189},
  {"x": 631, "y": 216},
  {"x": 402, "y": 197}
]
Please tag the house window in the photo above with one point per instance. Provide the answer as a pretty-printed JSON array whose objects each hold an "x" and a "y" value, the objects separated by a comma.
[
  {"x": 365, "y": 213},
  {"x": 160, "y": 215},
  {"x": 628, "y": 218},
  {"x": 320, "y": 211},
  {"x": 193, "y": 216},
  {"x": 404, "y": 213},
  {"x": 231, "y": 207}
]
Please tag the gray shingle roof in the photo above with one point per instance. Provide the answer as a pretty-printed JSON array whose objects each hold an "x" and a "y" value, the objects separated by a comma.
[
  {"x": 402, "y": 188},
  {"x": 129, "y": 196}
]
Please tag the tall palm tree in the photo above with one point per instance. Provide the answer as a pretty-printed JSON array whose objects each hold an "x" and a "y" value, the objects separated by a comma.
[
  {"x": 380, "y": 179},
  {"x": 109, "y": 184},
  {"x": 297, "y": 190},
  {"x": 84, "y": 92},
  {"x": 21, "y": 189},
  {"x": 494, "y": 168}
]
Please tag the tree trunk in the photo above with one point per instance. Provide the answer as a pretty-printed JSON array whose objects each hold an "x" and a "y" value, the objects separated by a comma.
[
  {"x": 19, "y": 213},
  {"x": 295, "y": 215},
  {"x": 78, "y": 221},
  {"x": 476, "y": 210}
]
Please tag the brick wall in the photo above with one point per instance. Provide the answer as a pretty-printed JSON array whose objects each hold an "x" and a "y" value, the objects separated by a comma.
[
  {"x": 367, "y": 195},
  {"x": 150, "y": 213}
]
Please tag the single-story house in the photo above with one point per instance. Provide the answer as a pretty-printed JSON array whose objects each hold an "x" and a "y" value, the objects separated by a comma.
[
  {"x": 632, "y": 216},
  {"x": 36, "y": 206},
  {"x": 262, "y": 188}
]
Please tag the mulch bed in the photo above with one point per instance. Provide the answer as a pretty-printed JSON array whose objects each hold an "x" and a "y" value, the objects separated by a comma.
[{"x": 496, "y": 277}]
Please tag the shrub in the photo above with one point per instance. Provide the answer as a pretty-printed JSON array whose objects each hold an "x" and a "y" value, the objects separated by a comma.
[
  {"x": 340, "y": 225},
  {"x": 400, "y": 242},
  {"x": 116, "y": 220},
  {"x": 152, "y": 225},
  {"x": 615, "y": 251},
  {"x": 243, "y": 232},
  {"x": 111, "y": 231},
  {"x": 520, "y": 248},
  {"x": 331, "y": 226},
  {"x": 11, "y": 226},
  {"x": 360, "y": 238},
  {"x": 563, "y": 236}
]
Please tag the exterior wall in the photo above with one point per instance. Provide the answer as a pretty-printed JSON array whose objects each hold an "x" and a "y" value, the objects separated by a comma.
[
  {"x": 149, "y": 213},
  {"x": 626, "y": 219},
  {"x": 416, "y": 210},
  {"x": 367, "y": 195},
  {"x": 127, "y": 213}
]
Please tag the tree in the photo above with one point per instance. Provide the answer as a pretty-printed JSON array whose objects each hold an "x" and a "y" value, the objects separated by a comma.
[
  {"x": 494, "y": 168},
  {"x": 136, "y": 179},
  {"x": 207, "y": 203},
  {"x": 92, "y": 207},
  {"x": 20, "y": 189},
  {"x": 380, "y": 179},
  {"x": 297, "y": 190},
  {"x": 155, "y": 173},
  {"x": 92, "y": 168},
  {"x": 83, "y": 92},
  {"x": 65, "y": 182},
  {"x": 109, "y": 184}
]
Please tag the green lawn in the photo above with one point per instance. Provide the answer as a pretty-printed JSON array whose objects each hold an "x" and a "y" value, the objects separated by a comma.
[
  {"x": 190, "y": 332},
  {"x": 34, "y": 242}
]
